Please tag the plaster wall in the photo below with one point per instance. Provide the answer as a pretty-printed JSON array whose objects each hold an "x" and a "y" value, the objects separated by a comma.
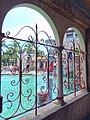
[{"x": 59, "y": 23}]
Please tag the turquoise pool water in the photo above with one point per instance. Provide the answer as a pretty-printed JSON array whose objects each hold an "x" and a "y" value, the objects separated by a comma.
[{"x": 10, "y": 88}]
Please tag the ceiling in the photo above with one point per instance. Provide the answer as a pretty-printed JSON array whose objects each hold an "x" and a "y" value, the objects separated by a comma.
[
  {"x": 83, "y": 5},
  {"x": 87, "y": 4}
]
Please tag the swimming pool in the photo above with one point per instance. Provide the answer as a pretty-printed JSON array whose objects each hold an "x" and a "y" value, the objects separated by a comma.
[
  {"x": 19, "y": 93},
  {"x": 22, "y": 94}
]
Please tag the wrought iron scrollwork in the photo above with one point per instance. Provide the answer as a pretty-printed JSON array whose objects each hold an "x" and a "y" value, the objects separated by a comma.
[
  {"x": 73, "y": 60},
  {"x": 33, "y": 64},
  {"x": 31, "y": 78}
]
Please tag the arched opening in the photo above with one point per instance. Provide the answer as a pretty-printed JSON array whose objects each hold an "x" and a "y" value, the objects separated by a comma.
[
  {"x": 74, "y": 68},
  {"x": 27, "y": 53},
  {"x": 43, "y": 15}
]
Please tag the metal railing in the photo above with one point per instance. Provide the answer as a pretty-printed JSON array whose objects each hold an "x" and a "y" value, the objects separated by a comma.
[
  {"x": 73, "y": 67},
  {"x": 29, "y": 72}
]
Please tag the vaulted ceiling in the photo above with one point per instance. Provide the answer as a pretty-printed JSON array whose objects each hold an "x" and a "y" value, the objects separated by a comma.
[
  {"x": 87, "y": 4},
  {"x": 76, "y": 10},
  {"x": 84, "y": 5}
]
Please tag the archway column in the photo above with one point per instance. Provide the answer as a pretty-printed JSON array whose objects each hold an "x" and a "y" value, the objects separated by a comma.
[
  {"x": 88, "y": 58},
  {"x": 1, "y": 37},
  {"x": 60, "y": 77}
]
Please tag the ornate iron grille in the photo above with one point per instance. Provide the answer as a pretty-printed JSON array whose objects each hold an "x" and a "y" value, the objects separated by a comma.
[
  {"x": 73, "y": 67},
  {"x": 29, "y": 71}
]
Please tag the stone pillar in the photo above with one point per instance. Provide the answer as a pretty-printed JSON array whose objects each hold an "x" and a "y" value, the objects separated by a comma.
[
  {"x": 88, "y": 58},
  {"x": 1, "y": 37},
  {"x": 60, "y": 78}
]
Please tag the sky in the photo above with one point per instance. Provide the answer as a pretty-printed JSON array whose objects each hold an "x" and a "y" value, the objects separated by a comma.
[{"x": 23, "y": 16}]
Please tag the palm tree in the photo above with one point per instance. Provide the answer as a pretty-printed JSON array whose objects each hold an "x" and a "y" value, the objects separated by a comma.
[
  {"x": 4, "y": 55},
  {"x": 40, "y": 53},
  {"x": 10, "y": 51},
  {"x": 13, "y": 50},
  {"x": 28, "y": 48}
]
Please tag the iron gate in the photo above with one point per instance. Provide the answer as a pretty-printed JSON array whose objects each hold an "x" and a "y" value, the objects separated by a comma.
[{"x": 29, "y": 72}]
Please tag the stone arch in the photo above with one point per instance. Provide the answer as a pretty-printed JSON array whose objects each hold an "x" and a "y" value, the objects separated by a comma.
[
  {"x": 44, "y": 14},
  {"x": 80, "y": 36},
  {"x": 78, "y": 45}
]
